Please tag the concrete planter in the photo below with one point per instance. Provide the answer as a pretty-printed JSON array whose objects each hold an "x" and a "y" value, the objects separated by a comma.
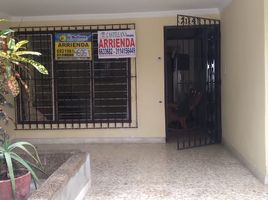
[{"x": 69, "y": 182}]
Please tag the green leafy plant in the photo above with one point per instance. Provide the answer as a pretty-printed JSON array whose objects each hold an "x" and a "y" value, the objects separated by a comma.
[
  {"x": 15, "y": 58},
  {"x": 9, "y": 154}
]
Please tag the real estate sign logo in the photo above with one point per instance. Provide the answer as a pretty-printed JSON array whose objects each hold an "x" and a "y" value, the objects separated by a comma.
[
  {"x": 73, "y": 46},
  {"x": 117, "y": 44}
]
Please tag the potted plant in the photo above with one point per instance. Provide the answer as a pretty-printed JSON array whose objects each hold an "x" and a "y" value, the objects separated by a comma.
[{"x": 18, "y": 160}]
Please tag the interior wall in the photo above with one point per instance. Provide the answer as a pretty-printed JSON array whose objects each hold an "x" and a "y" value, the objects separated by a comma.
[
  {"x": 243, "y": 83},
  {"x": 266, "y": 81},
  {"x": 150, "y": 80}
]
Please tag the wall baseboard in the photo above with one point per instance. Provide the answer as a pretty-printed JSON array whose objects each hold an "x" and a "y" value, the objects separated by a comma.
[
  {"x": 101, "y": 140},
  {"x": 257, "y": 173}
]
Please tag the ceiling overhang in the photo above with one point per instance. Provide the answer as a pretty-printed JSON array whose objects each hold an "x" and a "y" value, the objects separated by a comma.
[
  {"x": 37, "y": 10},
  {"x": 192, "y": 12}
]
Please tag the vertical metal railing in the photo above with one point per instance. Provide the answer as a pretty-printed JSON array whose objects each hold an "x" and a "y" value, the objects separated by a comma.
[{"x": 206, "y": 124}]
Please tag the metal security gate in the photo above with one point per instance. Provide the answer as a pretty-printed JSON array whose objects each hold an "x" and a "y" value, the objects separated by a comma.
[{"x": 192, "y": 82}]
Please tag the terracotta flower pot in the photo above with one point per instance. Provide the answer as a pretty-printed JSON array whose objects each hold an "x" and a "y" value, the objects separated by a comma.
[{"x": 22, "y": 188}]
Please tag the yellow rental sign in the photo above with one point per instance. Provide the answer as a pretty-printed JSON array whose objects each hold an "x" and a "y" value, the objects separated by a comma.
[{"x": 73, "y": 46}]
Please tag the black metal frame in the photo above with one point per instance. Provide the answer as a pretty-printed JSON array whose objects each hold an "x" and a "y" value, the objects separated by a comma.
[
  {"x": 184, "y": 20},
  {"x": 187, "y": 138},
  {"x": 131, "y": 122}
]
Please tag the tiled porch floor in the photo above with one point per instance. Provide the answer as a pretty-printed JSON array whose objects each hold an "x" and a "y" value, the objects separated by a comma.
[{"x": 160, "y": 172}]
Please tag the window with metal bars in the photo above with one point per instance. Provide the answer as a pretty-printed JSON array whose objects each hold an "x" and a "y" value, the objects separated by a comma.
[{"x": 76, "y": 94}]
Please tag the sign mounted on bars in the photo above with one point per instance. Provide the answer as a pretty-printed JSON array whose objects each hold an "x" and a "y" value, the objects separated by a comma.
[
  {"x": 73, "y": 46},
  {"x": 117, "y": 44}
]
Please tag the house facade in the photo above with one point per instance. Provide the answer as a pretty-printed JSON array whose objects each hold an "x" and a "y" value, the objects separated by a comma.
[{"x": 244, "y": 76}]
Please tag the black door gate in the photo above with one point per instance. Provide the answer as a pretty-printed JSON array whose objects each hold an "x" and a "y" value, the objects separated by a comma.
[{"x": 192, "y": 81}]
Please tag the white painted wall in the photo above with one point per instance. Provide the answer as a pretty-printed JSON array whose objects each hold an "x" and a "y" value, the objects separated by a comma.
[{"x": 243, "y": 83}]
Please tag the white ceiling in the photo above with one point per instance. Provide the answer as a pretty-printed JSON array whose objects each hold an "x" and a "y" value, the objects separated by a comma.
[{"x": 73, "y": 7}]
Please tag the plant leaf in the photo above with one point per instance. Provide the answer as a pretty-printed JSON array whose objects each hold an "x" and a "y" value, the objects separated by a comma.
[
  {"x": 8, "y": 70},
  {"x": 20, "y": 44},
  {"x": 16, "y": 157},
  {"x": 36, "y": 168},
  {"x": 5, "y": 32},
  {"x": 20, "y": 145},
  {"x": 4, "y": 55},
  {"x": 19, "y": 53},
  {"x": 37, "y": 65},
  {"x": 23, "y": 143},
  {"x": 11, "y": 172},
  {"x": 2, "y": 149},
  {"x": 41, "y": 169},
  {"x": 15, "y": 62},
  {"x": 11, "y": 44}
]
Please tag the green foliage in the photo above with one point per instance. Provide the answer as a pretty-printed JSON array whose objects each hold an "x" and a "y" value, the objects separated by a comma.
[
  {"x": 5, "y": 32},
  {"x": 9, "y": 153},
  {"x": 14, "y": 58}
]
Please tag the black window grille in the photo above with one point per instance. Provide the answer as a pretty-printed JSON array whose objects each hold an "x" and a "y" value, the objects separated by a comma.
[{"x": 97, "y": 93}]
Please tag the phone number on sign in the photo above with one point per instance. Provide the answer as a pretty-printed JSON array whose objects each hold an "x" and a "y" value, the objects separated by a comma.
[{"x": 117, "y": 51}]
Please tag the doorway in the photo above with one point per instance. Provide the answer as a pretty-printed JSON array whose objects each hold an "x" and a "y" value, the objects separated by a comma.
[{"x": 192, "y": 82}]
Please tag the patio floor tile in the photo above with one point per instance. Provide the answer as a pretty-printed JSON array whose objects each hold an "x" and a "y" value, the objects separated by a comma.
[{"x": 160, "y": 172}]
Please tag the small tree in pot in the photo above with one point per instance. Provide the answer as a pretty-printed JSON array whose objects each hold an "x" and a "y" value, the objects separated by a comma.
[{"x": 14, "y": 57}]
